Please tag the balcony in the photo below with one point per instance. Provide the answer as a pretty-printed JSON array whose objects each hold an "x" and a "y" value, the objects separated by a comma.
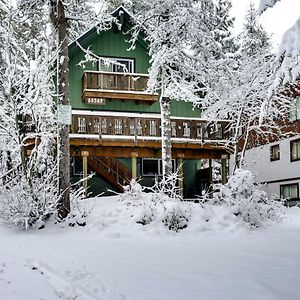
[
  {"x": 145, "y": 127},
  {"x": 97, "y": 86}
]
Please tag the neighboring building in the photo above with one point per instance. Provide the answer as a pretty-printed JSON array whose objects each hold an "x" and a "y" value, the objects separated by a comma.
[
  {"x": 276, "y": 165},
  {"x": 116, "y": 122}
]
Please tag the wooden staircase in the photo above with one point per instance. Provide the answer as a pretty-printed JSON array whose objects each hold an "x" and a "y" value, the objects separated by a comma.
[{"x": 112, "y": 170}]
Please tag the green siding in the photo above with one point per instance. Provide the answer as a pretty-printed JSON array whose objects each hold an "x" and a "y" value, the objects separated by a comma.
[
  {"x": 114, "y": 44},
  {"x": 190, "y": 168}
]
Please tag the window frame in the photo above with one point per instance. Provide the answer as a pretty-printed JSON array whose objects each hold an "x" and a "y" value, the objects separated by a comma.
[
  {"x": 131, "y": 61},
  {"x": 282, "y": 186},
  {"x": 272, "y": 158},
  {"x": 291, "y": 150},
  {"x": 159, "y": 166},
  {"x": 294, "y": 114}
]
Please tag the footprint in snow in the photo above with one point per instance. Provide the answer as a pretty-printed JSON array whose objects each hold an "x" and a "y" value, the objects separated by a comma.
[{"x": 76, "y": 284}]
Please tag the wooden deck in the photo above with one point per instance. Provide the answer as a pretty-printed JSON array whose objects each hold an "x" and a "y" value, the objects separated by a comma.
[
  {"x": 121, "y": 134},
  {"x": 99, "y": 85}
]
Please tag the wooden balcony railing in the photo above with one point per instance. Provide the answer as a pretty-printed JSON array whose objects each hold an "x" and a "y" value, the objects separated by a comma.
[
  {"x": 99, "y": 85},
  {"x": 143, "y": 127}
]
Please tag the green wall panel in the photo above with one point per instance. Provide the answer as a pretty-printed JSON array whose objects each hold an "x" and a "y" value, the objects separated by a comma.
[{"x": 114, "y": 44}]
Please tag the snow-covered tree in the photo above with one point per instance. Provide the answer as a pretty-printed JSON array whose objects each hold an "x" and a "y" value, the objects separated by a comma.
[
  {"x": 63, "y": 15},
  {"x": 28, "y": 184},
  {"x": 243, "y": 93},
  {"x": 181, "y": 46},
  {"x": 287, "y": 62},
  {"x": 223, "y": 26}
]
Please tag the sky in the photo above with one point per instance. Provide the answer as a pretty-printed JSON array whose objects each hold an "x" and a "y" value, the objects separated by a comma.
[{"x": 276, "y": 20}]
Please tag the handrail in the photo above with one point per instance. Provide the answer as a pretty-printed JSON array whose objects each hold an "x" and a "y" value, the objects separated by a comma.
[
  {"x": 140, "y": 126},
  {"x": 118, "y": 73},
  {"x": 114, "y": 167}
]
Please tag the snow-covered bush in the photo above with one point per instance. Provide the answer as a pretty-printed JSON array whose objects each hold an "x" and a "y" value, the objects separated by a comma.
[
  {"x": 248, "y": 202},
  {"x": 161, "y": 204},
  {"x": 176, "y": 216},
  {"x": 27, "y": 206},
  {"x": 133, "y": 192}
]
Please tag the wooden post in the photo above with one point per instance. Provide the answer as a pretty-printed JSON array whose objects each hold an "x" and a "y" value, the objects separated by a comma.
[
  {"x": 134, "y": 156},
  {"x": 180, "y": 173},
  {"x": 210, "y": 172},
  {"x": 84, "y": 155},
  {"x": 224, "y": 158}
]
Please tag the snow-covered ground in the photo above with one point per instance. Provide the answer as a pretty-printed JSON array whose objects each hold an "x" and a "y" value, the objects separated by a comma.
[{"x": 115, "y": 258}]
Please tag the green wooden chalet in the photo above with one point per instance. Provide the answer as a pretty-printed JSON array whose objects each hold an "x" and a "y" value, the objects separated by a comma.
[{"x": 116, "y": 122}]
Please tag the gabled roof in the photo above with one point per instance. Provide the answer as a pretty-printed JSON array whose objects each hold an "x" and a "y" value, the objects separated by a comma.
[{"x": 124, "y": 17}]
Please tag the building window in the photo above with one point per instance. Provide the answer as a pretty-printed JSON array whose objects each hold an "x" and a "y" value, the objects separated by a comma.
[
  {"x": 81, "y": 125},
  {"x": 152, "y": 127},
  {"x": 186, "y": 130},
  {"x": 295, "y": 109},
  {"x": 173, "y": 129},
  {"x": 126, "y": 65},
  {"x": 118, "y": 126},
  {"x": 96, "y": 126},
  {"x": 153, "y": 166},
  {"x": 289, "y": 191},
  {"x": 104, "y": 126},
  {"x": 274, "y": 153},
  {"x": 77, "y": 167},
  {"x": 295, "y": 150}
]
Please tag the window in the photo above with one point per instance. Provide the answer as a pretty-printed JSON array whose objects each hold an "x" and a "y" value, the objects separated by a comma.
[
  {"x": 274, "y": 153},
  {"x": 295, "y": 109},
  {"x": 295, "y": 150},
  {"x": 96, "y": 126},
  {"x": 127, "y": 65},
  {"x": 173, "y": 129},
  {"x": 104, "y": 126},
  {"x": 186, "y": 130},
  {"x": 289, "y": 191},
  {"x": 81, "y": 125},
  {"x": 76, "y": 167},
  {"x": 153, "y": 166},
  {"x": 152, "y": 127},
  {"x": 118, "y": 126}
]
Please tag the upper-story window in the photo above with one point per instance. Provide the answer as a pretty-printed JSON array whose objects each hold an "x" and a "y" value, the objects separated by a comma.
[
  {"x": 295, "y": 150},
  {"x": 123, "y": 65},
  {"x": 274, "y": 152},
  {"x": 295, "y": 109}
]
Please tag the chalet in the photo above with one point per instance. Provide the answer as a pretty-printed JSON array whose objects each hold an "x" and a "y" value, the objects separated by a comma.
[{"x": 116, "y": 122}]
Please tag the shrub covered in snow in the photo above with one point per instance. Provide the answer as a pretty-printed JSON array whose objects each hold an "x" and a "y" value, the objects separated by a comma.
[
  {"x": 248, "y": 202},
  {"x": 161, "y": 204},
  {"x": 27, "y": 206}
]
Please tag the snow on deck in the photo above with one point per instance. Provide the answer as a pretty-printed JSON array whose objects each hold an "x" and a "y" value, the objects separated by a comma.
[{"x": 115, "y": 258}]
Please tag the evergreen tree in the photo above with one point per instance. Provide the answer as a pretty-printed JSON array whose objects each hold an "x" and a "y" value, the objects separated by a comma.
[
  {"x": 254, "y": 38},
  {"x": 223, "y": 26}
]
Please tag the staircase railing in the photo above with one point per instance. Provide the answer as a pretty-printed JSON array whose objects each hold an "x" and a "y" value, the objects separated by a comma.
[{"x": 112, "y": 169}]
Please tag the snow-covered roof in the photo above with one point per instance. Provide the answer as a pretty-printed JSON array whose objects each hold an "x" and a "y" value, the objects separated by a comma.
[{"x": 115, "y": 13}]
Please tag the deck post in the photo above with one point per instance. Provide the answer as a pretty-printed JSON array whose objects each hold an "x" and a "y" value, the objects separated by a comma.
[
  {"x": 84, "y": 155},
  {"x": 224, "y": 158},
  {"x": 134, "y": 156},
  {"x": 180, "y": 173}
]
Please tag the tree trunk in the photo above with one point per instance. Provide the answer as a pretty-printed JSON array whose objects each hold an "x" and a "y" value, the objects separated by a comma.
[
  {"x": 165, "y": 107},
  {"x": 60, "y": 23}
]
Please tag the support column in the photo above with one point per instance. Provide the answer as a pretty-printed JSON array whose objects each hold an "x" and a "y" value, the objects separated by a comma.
[
  {"x": 84, "y": 155},
  {"x": 210, "y": 172},
  {"x": 134, "y": 156},
  {"x": 180, "y": 172},
  {"x": 224, "y": 158}
]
